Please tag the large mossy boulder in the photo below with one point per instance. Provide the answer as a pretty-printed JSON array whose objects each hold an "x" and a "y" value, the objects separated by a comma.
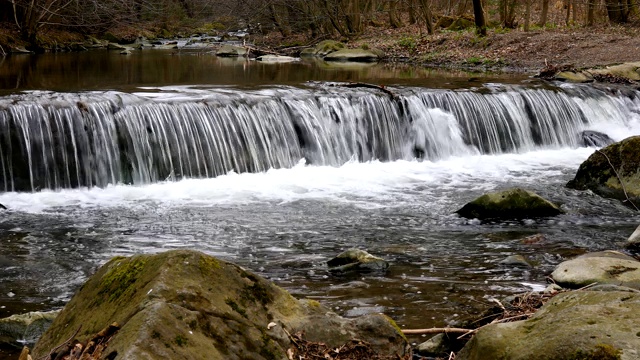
[
  {"x": 629, "y": 71},
  {"x": 604, "y": 169},
  {"x": 509, "y": 204},
  {"x": 604, "y": 267},
  {"x": 187, "y": 305},
  {"x": 573, "y": 325},
  {"x": 353, "y": 55},
  {"x": 323, "y": 48}
]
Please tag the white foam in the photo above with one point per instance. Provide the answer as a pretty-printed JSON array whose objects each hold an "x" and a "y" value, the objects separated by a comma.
[{"x": 372, "y": 184}]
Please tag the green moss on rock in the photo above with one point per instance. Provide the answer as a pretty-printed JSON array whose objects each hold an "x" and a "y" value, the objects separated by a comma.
[{"x": 187, "y": 305}]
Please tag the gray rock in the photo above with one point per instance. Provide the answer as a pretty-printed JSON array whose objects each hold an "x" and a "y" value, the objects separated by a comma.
[
  {"x": 125, "y": 52},
  {"x": 356, "y": 260},
  {"x": 436, "y": 346},
  {"x": 231, "y": 51},
  {"x": 26, "y": 328},
  {"x": 572, "y": 325},
  {"x": 183, "y": 304},
  {"x": 595, "y": 139},
  {"x": 605, "y": 267},
  {"x": 509, "y": 204}
]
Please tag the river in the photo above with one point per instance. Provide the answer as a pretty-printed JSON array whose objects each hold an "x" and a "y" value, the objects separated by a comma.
[{"x": 278, "y": 167}]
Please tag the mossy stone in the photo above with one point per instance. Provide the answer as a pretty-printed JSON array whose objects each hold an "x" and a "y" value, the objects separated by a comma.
[
  {"x": 572, "y": 325},
  {"x": 509, "y": 204},
  {"x": 599, "y": 173},
  {"x": 183, "y": 304}
]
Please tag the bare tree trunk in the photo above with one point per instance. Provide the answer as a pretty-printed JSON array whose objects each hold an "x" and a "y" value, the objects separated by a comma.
[
  {"x": 412, "y": 12},
  {"x": 567, "y": 4},
  {"x": 591, "y": 9},
  {"x": 394, "y": 21},
  {"x": 527, "y": 14},
  {"x": 462, "y": 7},
  {"x": 544, "y": 13},
  {"x": 478, "y": 14},
  {"x": 425, "y": 6}
]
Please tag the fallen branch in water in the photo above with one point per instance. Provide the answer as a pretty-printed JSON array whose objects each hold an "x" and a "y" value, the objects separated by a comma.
[{"x": 624, "y": 189}]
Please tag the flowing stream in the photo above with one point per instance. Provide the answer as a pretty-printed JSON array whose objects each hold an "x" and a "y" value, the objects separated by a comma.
[{"x": 281, "y": 178}]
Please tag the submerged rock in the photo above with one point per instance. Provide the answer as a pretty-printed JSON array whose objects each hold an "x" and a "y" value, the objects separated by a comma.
[
  {"x": 509, "y": 204},
  {"x": 17, "y": 330},
  {"x": 572, "y": 325},
  {"x": 515, "y": 260},
  {"x": 595, "y": 139},
  {"x": 599, "y": 173},
  {"x": 355, "y": 260},
  {"x": 604, "y": 267},
  {"x": 188, "y": 305}
]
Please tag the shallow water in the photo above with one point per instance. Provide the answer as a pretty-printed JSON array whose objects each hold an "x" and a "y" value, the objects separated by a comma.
[{"x": 286, "y": 223}]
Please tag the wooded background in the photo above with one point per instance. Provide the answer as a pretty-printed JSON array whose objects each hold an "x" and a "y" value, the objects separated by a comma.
[{"x": 314, "y": 18}]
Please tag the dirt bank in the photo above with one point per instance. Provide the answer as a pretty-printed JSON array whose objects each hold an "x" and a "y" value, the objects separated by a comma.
[{"x": 502, "y": 49}]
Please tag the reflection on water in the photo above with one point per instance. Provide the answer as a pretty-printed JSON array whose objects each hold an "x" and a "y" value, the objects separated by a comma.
[{"x": 103, "y": 69}]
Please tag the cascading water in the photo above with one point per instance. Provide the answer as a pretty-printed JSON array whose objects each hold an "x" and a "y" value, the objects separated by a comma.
[{"x": 52, "y": 141}]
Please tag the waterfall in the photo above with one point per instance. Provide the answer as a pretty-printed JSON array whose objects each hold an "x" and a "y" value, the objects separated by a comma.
[{"x": 53, "y": 140}]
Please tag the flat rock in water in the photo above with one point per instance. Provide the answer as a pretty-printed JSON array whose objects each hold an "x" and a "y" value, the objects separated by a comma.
[
  {"x": 184, "y": 304},
  {"x": 599, "y": 173},
  {"x": 354, "y": 55},
  {"x": 605, "y": 267},
  {"x": 509, "y": 204},
  {"x": 276, "y": 59},
  {"x": 572, "y": 325},
  {"x": 231, "y": 51},
  {"x": 355, "y": 260}
]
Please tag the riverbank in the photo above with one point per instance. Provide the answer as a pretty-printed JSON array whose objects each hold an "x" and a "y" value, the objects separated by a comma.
[{"x": 502, "y": 50}]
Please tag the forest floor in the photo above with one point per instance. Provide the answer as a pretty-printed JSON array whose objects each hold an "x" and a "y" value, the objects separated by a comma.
[{"x": 503, "y": 50}]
